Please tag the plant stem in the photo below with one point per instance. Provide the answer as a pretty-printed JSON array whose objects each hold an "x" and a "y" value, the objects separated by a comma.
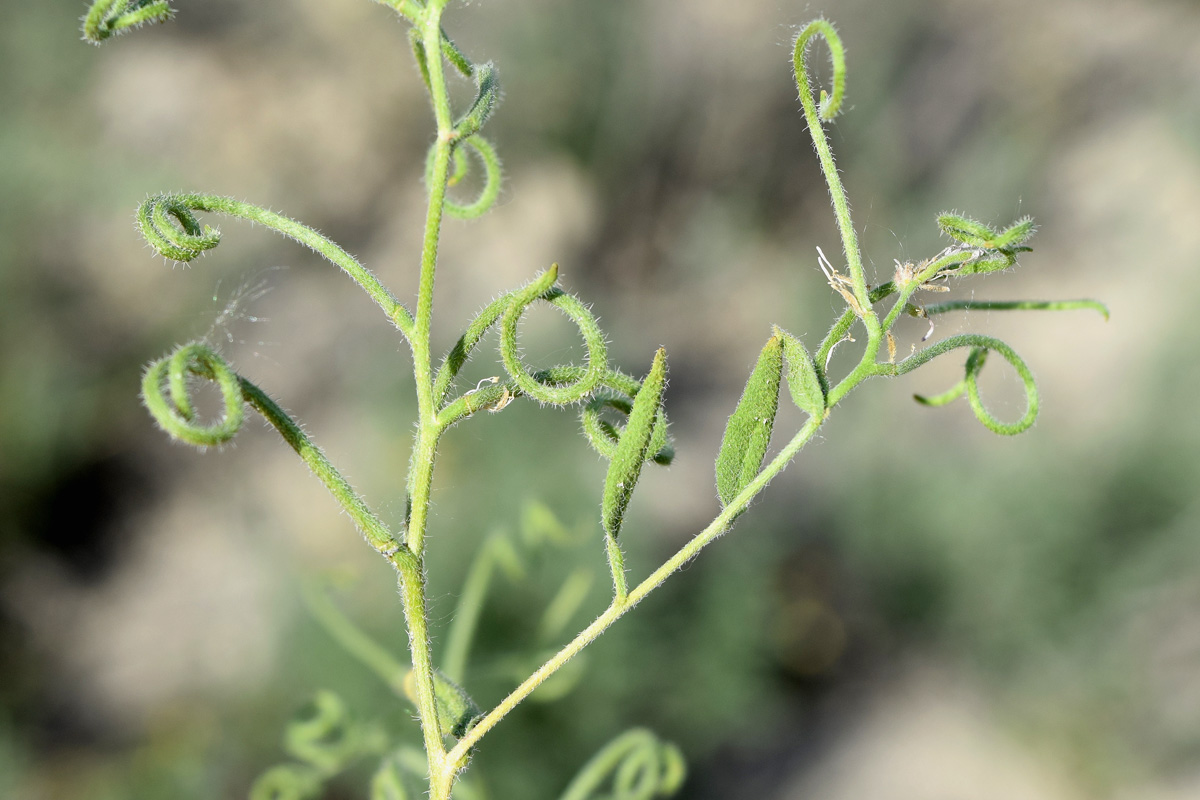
[
  {"x": 833, "y": 180},
  {"x": 412, "y": 583},
  {"x": 412, "y": 593}
]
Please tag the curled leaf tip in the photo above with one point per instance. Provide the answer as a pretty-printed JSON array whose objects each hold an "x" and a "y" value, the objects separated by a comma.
[
  {"x": 829, "y": 104},
  {"x": 547, "y": 386},
  {"x": 976, "y": 234},
  {"x": 979, "y": 347},
  {"x": 492, "y": 177},
  {"x": 165, "y": 391},
  {"x": 487, "y": 85},
  {"x": 168, "y": 224}
]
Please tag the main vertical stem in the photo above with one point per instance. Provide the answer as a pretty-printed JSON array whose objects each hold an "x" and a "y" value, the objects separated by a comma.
[{"x": 420, "y": 474}]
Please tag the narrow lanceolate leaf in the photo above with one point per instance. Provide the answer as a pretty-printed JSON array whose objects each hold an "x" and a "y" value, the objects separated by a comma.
[
  {"x": 1017, "y": 233},
  {"x": 488, "y": 94},
  {"x": 803, "y": 382},
  {"x": 966, "y": 230},
  {"x": 749, "y": 430},
  {"x": 633, "y": 448}
]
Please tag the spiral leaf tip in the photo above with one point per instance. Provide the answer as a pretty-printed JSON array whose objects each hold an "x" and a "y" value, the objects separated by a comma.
[
  {"x": 979, "y": 347},
  {"x": 548, "y": 386},
  {"x": 165, "y": 391},
  {"x": 168, "y": 224},
  {"x": 829, "y": 104},
  {"x": 492, "y": 177}
]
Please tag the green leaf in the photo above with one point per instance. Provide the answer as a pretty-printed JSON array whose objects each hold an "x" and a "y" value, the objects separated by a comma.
[
  {"x": 966, "y": 230},
  {"x": 107, "y": 18},
  {"x": 749, "y": 430},
  {"x": 803, "y": 382},
  {"x": 633, "y": 448},
  {"x": 1017, "y": 233},
  {"x": 488, "y": 94},
  {"x": 456, "y": 711},
  {"x": 604, "y": 435},
  {"x": 975, "y": 234},
  {"x": 990, "y": 262}
]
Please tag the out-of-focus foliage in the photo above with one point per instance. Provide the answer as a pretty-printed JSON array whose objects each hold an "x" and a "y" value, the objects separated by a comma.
[{"x": 146, "y": 655}]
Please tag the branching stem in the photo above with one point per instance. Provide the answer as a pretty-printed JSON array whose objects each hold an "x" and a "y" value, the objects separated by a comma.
[{"x": 169, "y": 224}]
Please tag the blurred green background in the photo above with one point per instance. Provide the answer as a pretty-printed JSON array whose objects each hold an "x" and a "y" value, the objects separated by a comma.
[{"x": 916, "y": 609}]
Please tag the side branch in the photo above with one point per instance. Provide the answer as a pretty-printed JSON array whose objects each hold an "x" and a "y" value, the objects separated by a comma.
[
  {"x": 165, "y": 391},
  {"x": 169, "y": 225},
  {"x": 815, "y": 116},
  {"x": 1016, "y": 305}
]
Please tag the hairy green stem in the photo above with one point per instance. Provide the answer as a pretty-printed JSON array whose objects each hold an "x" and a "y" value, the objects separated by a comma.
[
  {"x": 907, "y": 289},
  {"x": 616, "y": 563},
  {"x": 416, "y": 616},
  {"x": 375, "y": 532},
  {"x": 1016, "y": 305},
  {"x": 413, "y": 589},
  {"x": 188, "y": 242}
]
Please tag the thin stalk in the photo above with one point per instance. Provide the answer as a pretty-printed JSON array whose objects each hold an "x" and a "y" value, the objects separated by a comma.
[
  {"x": 833, "y": 180},
  {"x": 616, "y": 563},
  {"x": 1016, "y": 305},
  {"x": 375, "y": 532},
  {"x": 186, "y": 243}
]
